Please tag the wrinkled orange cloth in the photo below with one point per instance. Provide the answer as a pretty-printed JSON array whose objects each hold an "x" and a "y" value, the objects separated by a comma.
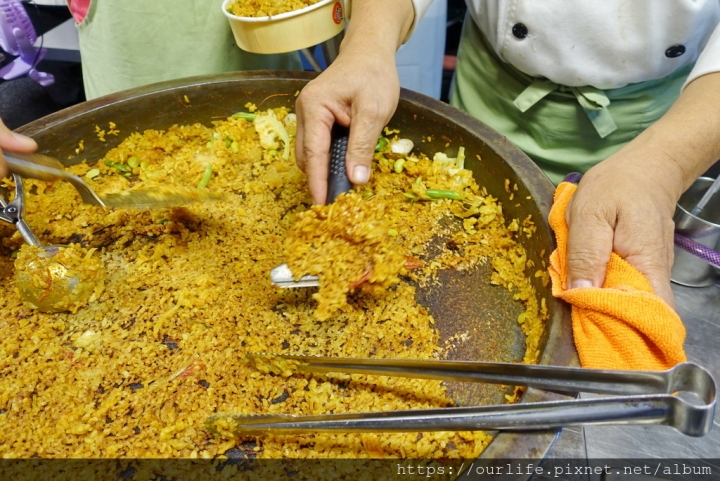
[{"x": 622, "y": 325}]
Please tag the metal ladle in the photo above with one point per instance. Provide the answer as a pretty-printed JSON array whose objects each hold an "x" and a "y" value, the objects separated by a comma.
[{"x": 64, "y": 288}]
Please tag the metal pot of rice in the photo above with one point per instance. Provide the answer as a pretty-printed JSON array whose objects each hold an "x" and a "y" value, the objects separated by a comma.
[{"x": 138, "y": 369}]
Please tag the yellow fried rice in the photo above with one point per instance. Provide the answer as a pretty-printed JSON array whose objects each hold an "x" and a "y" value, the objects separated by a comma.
[
  {"x": 137, "y": 371},
  {"x": 264, "y": 8}
]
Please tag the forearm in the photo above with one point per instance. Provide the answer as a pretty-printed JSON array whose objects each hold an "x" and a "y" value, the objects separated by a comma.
[
  {"x": 378, "y": 24},
  {"x": 687, "y": 138}
]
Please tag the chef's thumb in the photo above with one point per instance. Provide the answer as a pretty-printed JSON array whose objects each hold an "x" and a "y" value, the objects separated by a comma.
[
  {"x": 361, "y": 146},
  {"x": 589, "y": 245},
  {"x": 13, "y": 142}
]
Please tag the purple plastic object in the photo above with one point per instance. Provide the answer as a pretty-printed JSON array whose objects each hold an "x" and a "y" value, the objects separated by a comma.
[
  {"x": 17, "y": 37},
  {"x": 705, "y": 253},
  {"x": 573, "y": 177},
  {"x": 13, "y": 15}
]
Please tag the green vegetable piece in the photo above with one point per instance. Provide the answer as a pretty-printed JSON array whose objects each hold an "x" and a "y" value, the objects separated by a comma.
[
  {"x": 399, "y": 165},
  {"x": 228, "y": 143},
  {"x": 144, "y": 165},
  {"x": 443, "y": 194},
  {"x": 381, "y": 144},
  {"x": 249, "y": 116},
  {"x": 272, "y": 153},
  {"x": 133, "y": 162},
  {"x": 161, "y": 221},
  {"x": 234, "y": 147},
  {"x": 206, "y": 177},
  {"x": 410, "y": 195},
  {"x": 392, "y": 233},
  {"x": 92, "y": 173},
  {"x": 121, "y": 167}
]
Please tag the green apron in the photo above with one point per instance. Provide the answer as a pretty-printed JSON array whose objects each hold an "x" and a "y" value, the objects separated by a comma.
[
  {"x": 129, "y": 43},
  {"x": 563, "y": 129}
]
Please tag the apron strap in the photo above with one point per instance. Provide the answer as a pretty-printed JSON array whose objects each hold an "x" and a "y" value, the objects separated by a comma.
[
  {"x": 593, "y": 101},
  {"x": 534, "y": 92}
]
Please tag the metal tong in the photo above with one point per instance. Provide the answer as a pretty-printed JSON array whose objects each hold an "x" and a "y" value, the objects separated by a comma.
[
  {"x": 682, "y": 397},
  {"x": 338, "y": 183},
  {"x": 14, "y": 213},
  {"x": 43, "y": 167}
]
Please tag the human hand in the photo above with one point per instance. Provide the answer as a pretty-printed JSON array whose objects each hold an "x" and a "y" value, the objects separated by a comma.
[
  {"x": 624, "y": 206},
  {"x": 360, "y": 90},
  {"x": 626, "y": 202},
  {"x": 13, "y": 142}
]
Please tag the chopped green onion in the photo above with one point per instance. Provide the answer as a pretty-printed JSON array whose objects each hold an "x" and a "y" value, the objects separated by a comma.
[
  {"x": 399, "y": 165},
  {"x": 144, "y": 165},
  {"x": 443, "y": 194},
  {"x": 206, "y": 177},
  {"x": 249, "y": 116},
  {"x": 161, "y": 221},
  {"x": 92, "y": 173},
  {"x": 234, "y": 147},
  {"x": 381, "y": 144},
  {"x": 115, "y": 165},
  {"x": 392, "y": 233},
  {"x": 133, "y": 162},
  {"x": 272, "y": 153},
  {"x": 228, "y": 143},
  {"x": 410, "y": 195}
]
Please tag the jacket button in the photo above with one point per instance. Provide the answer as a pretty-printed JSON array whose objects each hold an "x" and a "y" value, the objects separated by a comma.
[
  {"x": 520, "y": 30},
  {"x": 675, "y": 51}
]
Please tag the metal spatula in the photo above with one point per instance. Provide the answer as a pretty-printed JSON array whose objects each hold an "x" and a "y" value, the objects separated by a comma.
[
  {"x": 42, "y": 167},
  {"x": 338, "y": 183}
]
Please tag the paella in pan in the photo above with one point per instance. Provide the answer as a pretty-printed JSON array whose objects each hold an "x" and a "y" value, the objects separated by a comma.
[{"x": 136, "y": 372}]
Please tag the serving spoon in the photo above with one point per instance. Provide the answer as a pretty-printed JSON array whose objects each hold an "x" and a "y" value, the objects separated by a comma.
[
  {"x": 63, "y": 289},
  {"x": 43, "y": 167}
]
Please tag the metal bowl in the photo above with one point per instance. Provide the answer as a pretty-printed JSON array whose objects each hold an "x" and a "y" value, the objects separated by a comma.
[{"x": 491, "y": 157}]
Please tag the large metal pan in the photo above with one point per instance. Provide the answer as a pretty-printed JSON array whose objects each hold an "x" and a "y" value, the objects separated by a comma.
[{"x": 499, "y": 338}]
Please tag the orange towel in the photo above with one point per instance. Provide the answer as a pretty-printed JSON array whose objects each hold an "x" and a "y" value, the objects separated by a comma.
[{"x": 622, "y": 325}]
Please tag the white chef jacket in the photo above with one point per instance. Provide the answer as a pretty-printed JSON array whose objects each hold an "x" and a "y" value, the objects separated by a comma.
[{"x": 602, "y": 43}]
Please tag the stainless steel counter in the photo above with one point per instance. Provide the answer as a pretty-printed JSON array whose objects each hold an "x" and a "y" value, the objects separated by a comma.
[{"x": 699, "y": 309}]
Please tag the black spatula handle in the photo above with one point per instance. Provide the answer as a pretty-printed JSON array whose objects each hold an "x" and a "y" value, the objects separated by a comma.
[{"x": 338, "y": 181}]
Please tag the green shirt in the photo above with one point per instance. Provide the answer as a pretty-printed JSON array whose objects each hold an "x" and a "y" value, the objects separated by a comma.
[{"x": 129, "y": 43}]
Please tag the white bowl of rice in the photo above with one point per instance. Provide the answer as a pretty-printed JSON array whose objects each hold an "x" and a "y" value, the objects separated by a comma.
[{"x": 271, "y": 32}]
